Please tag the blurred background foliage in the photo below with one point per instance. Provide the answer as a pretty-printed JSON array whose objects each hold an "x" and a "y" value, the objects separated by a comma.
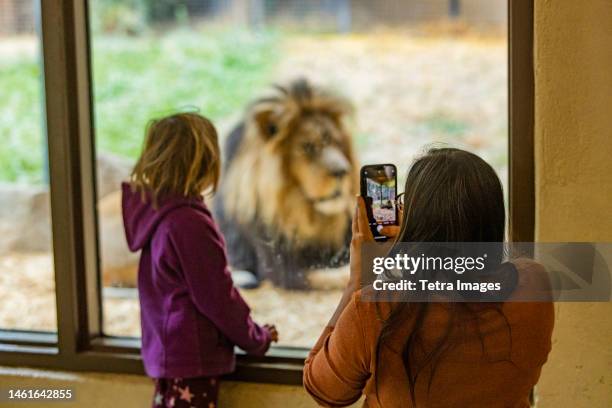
[{"x": 416, "y": 74}]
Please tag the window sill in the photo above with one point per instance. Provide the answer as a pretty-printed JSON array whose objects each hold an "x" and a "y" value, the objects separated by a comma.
[{"x": 282, "y": 365}]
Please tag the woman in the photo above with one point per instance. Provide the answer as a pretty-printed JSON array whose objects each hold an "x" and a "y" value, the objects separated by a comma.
[{"x": 435, "y": 354}]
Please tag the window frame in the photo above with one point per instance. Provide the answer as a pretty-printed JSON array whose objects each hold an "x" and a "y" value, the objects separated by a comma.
[{"x": 80, "y": 344}]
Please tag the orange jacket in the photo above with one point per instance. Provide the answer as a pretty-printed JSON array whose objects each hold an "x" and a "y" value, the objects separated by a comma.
[{"x": 494, "y": 361}]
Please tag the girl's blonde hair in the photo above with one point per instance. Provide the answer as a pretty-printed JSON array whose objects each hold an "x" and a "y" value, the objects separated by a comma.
[{"x": 180, "y": 157}]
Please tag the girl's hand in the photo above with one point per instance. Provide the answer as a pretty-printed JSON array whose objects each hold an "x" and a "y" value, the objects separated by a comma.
[{"x": 273, "y": 332}]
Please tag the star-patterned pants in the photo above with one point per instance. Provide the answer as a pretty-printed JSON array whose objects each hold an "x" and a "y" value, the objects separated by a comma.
[{"x": 200, "y": 392}]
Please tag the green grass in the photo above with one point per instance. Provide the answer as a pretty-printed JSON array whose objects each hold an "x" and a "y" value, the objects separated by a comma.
[
  {"x": 136, "y": 79},
  {"x": 21, "y": 145}
]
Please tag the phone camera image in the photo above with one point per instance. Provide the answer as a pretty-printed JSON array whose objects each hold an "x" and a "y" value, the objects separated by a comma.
[{"x": 380, "y": 187}]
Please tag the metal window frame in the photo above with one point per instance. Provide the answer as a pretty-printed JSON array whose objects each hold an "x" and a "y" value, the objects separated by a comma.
[{"x": 79, "y": 344}]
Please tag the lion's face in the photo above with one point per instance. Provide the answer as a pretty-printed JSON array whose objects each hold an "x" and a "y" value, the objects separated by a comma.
[
  {"x": 319, "y": 160},
  {"x": 294, "y": 171}
]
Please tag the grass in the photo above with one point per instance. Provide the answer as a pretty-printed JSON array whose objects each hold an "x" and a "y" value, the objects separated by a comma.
[
  {"x": 21, "y": 146},
  {"x": 136, "y": 79}
]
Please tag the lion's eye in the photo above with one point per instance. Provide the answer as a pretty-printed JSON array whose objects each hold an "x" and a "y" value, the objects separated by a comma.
[
  {"x": 272, "y": 129},
  {"x": 309, "y": 148}
]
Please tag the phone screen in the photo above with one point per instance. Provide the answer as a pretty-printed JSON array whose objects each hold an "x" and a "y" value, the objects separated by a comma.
[{"x": 379, "y": 186}]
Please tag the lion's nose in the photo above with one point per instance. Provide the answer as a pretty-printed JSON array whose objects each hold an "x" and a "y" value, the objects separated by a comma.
[{"x": 336, "y": 162}]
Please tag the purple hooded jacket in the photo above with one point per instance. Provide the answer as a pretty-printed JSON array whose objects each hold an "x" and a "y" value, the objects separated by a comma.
[{"x": 191, "y": 313}]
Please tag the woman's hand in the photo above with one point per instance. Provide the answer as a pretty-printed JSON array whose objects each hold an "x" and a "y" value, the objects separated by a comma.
[{"x": 362, "y": 233}]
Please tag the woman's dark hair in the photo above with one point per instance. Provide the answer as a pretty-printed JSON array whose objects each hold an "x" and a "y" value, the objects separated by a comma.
[{"x": 451, "y": 195}]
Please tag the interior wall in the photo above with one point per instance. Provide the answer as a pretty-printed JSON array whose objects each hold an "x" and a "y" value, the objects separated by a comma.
[
  {"x": 133, "y": 391},
  {"x": 573, "y": 151}
]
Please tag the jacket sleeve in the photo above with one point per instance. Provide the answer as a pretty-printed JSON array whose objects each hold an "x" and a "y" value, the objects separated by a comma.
[
  {"x": 200, "y": 252},
  {"x": 337, "y": 368}
]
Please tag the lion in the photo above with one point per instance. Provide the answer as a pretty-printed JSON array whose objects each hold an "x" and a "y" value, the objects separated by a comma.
[{"x": 285, "y": 199}]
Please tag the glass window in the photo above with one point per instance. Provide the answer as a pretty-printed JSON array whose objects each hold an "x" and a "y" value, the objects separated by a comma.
[
  {"x": 415, "y": 72},
  {"x": 27, "y": 286}
]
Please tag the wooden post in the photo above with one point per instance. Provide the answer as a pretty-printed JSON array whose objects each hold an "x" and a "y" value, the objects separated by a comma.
[
  {"x": 454, "y": 8},
  {"x": 257, "y": 13},
  {"x": 343, "y": 15}
]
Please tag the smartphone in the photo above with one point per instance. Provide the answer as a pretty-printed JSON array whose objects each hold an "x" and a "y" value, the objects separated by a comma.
[{"x": 379, "y": 189}]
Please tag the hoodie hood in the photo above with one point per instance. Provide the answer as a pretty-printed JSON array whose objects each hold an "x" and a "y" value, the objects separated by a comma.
[{"x": 140, "y": 219}]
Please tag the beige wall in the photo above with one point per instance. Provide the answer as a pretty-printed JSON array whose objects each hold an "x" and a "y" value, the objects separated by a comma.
[
  {"x": 130, "y": 391},
  {"x": 573, "y": 142}
]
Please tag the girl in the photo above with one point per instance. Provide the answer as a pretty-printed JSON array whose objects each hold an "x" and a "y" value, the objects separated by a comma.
[
  {"x": 191, "y": 313},
  {"x": 435, "y": 354}
]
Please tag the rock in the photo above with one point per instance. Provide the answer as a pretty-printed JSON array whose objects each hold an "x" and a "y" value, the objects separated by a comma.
[
  {"x": 25, "y": 224},
  {"x": 25, "y": 221},
  {"x": 119, "y": 265},
  {"x": 36, "y": 233},
  {"x": 111, "y": 171}
]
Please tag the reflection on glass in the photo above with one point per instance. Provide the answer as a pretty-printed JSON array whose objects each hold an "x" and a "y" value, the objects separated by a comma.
[
  {"x": 413, "y": 73},
  {"x": 26, "y": 261}
]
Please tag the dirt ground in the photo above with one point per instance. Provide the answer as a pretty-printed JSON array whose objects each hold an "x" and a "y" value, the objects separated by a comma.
[
  {"x": 27, "y": 289},
  {"x": 412, "y": 91},
  {"x": 408, "y": 92}
]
